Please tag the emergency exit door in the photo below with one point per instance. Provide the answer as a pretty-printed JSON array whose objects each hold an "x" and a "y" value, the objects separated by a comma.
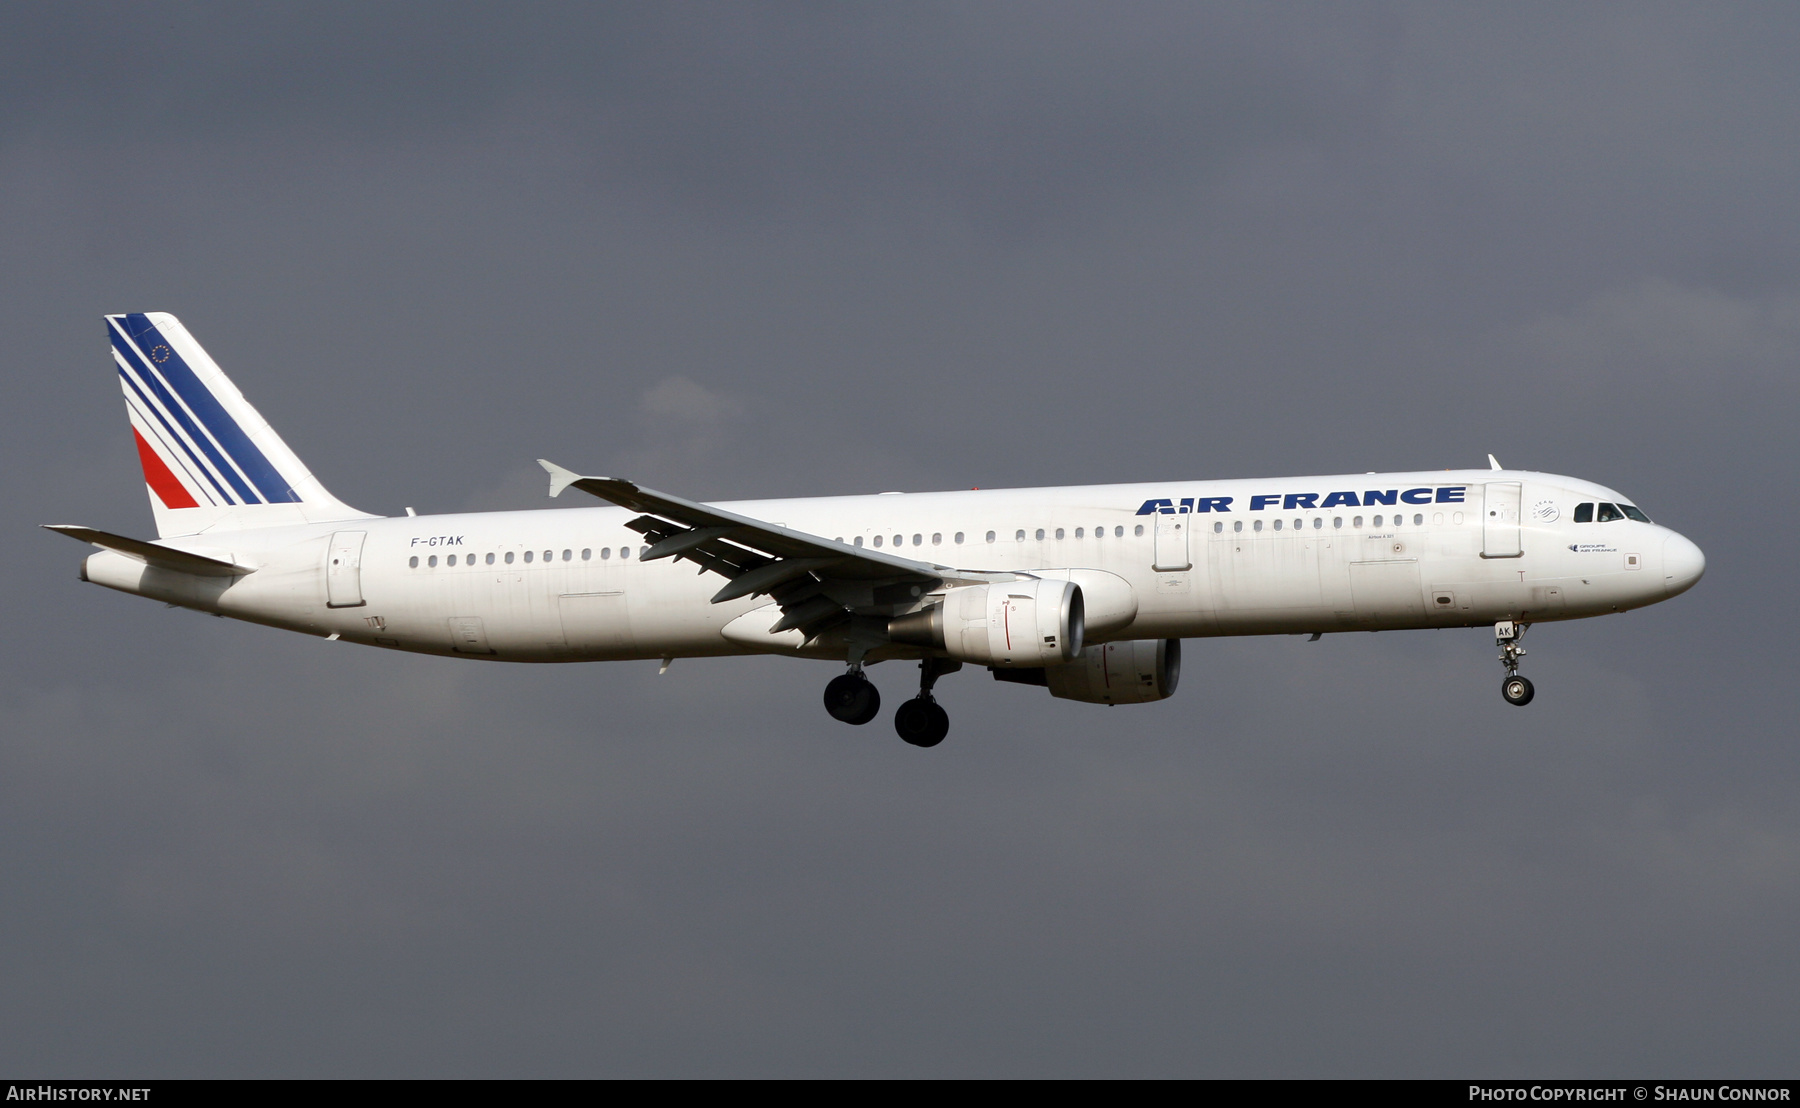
[
  {"x": 343, "y": 570},
  {"x": 1500, "y": 520},
  {"x": 1172, "y": 541}
]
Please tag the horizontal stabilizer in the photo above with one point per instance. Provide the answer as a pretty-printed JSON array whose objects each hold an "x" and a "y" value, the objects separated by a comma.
[{"x": 165, "y": 557}]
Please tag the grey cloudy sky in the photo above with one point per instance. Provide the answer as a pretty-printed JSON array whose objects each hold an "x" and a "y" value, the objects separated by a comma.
[{"x": 763, "y": 250}]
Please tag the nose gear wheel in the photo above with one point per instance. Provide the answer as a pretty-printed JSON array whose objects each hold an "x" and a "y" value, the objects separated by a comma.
[{"x": 1516, "y": 689}]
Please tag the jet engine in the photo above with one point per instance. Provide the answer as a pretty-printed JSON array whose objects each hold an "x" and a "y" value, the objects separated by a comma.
[
  {"x": 1134, "y": 672},
  {"x": 1020, "y": 624}
]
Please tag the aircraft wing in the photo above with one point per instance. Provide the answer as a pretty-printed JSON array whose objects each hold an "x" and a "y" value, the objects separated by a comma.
[{"x": 819, "y": 583}]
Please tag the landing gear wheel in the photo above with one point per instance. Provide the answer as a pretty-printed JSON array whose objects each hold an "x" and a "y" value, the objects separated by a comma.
[
  {"x": 851, "y": 698},
  {"x": 921, "y": 722},
  {"x": 1517, "y": 690}
]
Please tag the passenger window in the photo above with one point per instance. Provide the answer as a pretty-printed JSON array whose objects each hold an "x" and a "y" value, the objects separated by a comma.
[
  {"x": 918, "y": 540},
  {"x": 1118, "y": 532},
  {"x": 1299, "y": 523},
  {"x": 1609, "y": 513},
  {"x": 1318, "y": 523},
  {"x": 624, "y": 552},
  {"x": 509, "y": 557},
  {"x": 877, "y": 540},
  {"x": 1419, "y": 519},
  {"x": 1337, "y": 521},
  {"x": 1059, "y": 532},
  {"x": 1218, "y": 527},
  {"x": 1237, "y": 525},
  {"x": 857, "y": 541},
  {"x": 1357, "y": 522},
  {"x": 587, "y": 554},
  {"x": 1376, "y": 522},
  {"x": 490, "y": 558},
  {"x": 1278, "y": 525},
  {"x": 1633, "y": 513},
  {"x": 1020, "y": 537},
  {"x": 1078, "y": 532},
  {"x": 1138, "y": 531},
  {"x": 547, "y": 555},
  {"x": 1040, "y": 534},
  {"x": 959, "y": 538},
  {"x": 568, "y": 555},
  {"x": 413, "y": 562},
  {"x": 606, "y": 553},
  {"x": 432, "y": 561},
  {"x": 528, "y": 556},
  {"x": 990, "y": 536},
  {"x": 1584, "y": 513},
  {"x": 1257, "y": 526}
]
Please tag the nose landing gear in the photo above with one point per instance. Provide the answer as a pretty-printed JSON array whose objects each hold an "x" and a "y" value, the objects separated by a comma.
[
  {"x": 921, "y": 721},
  {"x": 1516, "y": 689}
]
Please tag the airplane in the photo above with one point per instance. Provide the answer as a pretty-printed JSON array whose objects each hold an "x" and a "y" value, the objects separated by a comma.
[{"x": 1086, "y": 591}]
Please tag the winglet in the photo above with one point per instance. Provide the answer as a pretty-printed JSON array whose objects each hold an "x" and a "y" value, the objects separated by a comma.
[
  {"x": 1492, "y": 464},
  {"x": 560, "y": 478}
]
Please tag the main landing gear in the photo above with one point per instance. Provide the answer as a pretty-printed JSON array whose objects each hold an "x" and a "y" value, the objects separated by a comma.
[
  {"x": 852, "y": 698},
  {"x": 921, "y": 721},
  {"x": 1516, "y": 689}
]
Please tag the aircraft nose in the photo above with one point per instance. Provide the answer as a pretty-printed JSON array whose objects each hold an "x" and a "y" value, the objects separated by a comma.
[{"x": 1683, "y": 563}]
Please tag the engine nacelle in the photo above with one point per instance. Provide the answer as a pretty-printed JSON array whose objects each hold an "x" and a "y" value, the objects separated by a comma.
[
  {"x": 1020, "y": 624},
  {"x": 1133, "y": 672}
]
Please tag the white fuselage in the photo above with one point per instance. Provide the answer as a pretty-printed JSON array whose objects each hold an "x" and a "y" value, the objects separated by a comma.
[{"x": 1198, "y": 559}]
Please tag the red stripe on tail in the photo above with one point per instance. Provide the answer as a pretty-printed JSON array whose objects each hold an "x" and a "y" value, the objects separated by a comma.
[{"x": 163, "y": 483}]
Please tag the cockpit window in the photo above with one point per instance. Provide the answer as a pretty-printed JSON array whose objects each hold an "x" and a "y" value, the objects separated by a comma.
[
  {"x": 1634, "y": 513},
  {"x": 1609, "y": 513},
  {"x": 1584, "y": 513}
]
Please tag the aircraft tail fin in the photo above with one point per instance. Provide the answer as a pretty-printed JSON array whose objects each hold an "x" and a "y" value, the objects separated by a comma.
[{"x": 210, "y": 460}]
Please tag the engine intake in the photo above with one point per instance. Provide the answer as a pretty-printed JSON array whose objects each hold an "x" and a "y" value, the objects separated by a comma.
[{"x": 1020, "y": 624}]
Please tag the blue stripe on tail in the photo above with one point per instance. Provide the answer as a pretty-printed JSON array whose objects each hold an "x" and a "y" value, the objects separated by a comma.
[
  {"x": 200, "y": 400},
  {"x": 198, "y": 466},
  {"x": 154, "y": 384}
]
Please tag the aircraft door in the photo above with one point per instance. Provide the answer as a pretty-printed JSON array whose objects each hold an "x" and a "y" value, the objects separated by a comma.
[
  {"x": 343, "y": 570},
  {"x": 1172, "y": 542},
  {"x": 1500, "y": 520}
]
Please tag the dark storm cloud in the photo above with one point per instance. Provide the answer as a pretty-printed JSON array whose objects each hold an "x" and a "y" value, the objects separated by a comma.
[
  {"x": 717, "y": 104},
  {"x": 787, "y": 250}
]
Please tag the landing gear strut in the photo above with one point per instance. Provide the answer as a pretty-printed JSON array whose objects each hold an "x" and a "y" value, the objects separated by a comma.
[
  {"x": 852, "y": 698},
  {"x": 920, "y": 721},
  {"x": 1516, "y": 689}
]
